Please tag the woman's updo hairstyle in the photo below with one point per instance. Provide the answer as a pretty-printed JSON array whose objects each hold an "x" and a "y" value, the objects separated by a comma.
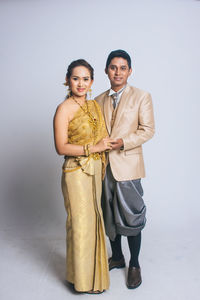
[
  {"x": 74, "y": 64},
  {"x": 79, "y": 63}
]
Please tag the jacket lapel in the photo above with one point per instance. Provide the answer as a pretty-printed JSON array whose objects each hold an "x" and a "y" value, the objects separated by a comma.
[{"x": 107, "y": 109}]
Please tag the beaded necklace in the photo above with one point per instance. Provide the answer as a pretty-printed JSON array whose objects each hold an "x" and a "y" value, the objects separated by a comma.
[{"x": 92, "y": 119}]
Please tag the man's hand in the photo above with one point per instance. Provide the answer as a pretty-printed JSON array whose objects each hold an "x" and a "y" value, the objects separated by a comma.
[{"x": 117, "y": 144}]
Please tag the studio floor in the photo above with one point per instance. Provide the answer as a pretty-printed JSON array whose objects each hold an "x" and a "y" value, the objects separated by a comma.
[{"x": 33, "y": 267}]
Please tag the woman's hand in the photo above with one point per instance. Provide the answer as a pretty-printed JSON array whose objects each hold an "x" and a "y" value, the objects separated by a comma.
[{"x": 102, "y": 145}]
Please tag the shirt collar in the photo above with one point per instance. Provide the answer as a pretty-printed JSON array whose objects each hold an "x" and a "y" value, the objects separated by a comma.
[{"x": 111, "y": 92}]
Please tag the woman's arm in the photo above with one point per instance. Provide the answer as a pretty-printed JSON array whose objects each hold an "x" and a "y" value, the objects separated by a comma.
[{"x": 61, "y": 123}]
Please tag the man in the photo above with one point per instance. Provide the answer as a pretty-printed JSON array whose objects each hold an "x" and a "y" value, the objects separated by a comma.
[{"x": 129, "y": 119}]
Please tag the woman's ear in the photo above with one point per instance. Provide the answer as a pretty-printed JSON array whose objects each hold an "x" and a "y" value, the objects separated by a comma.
[
  {"x": 91, "y": 82},
  {"x": 66, "y": 81}
]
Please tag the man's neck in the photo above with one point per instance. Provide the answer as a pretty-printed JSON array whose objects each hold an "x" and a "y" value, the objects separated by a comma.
[{"x": 117, "y": 89}]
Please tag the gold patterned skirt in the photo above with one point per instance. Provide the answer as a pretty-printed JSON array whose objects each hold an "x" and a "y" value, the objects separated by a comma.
[{"x": 87, "y": 262}]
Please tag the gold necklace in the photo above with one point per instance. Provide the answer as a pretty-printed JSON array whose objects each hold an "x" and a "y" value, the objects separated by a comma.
[{"x": 92, "y": 119}]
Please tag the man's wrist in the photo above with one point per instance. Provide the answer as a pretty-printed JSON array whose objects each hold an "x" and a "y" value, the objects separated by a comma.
[{"x": 122, "y": 146}]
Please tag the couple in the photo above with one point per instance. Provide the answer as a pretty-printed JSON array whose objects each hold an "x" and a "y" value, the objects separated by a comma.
[{"x": 111, "y": 151}]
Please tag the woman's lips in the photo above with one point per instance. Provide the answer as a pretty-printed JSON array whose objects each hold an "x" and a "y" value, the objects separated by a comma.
[{"x": 80, "y": 90}]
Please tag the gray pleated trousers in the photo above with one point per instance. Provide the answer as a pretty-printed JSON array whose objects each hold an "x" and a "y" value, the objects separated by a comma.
[{"x": 123, "y": 206}]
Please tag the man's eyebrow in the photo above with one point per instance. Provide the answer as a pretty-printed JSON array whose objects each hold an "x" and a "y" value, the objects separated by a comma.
[{"x": 119, "y": 66}]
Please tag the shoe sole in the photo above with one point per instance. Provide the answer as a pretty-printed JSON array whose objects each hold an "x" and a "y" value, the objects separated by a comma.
[
  {"x": 117, "y": 267},
  {"x": 94, "y": 292},
  {"x": 132, "y": 288}
]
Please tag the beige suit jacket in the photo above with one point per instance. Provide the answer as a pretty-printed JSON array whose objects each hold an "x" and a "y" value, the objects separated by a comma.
[{"x": 134, "y": 123}]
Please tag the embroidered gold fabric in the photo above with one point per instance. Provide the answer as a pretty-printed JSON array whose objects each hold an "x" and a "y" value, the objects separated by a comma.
[
  {"x": 87, "y": 262},
  {"x": 82, "y": 131}
]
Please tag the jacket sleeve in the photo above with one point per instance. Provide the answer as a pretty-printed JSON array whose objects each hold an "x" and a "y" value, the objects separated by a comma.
[{"x": 145, "y": 130}]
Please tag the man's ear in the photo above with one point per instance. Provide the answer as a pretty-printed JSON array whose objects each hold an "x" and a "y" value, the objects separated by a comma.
[
  {"x": 106, "y": 70},
  {"x": 130, "y": 71}
]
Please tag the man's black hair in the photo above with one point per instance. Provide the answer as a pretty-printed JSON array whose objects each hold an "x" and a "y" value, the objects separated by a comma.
[{"x": 118, "y": 53}]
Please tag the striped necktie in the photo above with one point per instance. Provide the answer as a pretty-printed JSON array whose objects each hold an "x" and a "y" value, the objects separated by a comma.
[{"x": 115, "y": 97}]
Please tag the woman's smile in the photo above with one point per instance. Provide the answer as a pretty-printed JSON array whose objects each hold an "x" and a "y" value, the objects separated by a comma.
[{"x": 80, "y": 90}]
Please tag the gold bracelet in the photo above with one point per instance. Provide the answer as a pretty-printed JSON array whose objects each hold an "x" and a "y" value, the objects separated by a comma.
[
  {"x": 86, "y": 151},
  {"x": 88, "y": 148}
]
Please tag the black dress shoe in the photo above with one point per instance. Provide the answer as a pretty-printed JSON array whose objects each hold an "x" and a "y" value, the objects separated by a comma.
[
  {"x": 116, "y": 264},
  {"x": 134, "y": 278}
]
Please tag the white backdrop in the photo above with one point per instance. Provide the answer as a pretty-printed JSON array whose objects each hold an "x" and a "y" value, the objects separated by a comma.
[{"x": 38, "y": 41}]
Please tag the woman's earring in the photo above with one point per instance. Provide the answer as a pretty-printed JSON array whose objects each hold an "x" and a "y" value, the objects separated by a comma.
[
  {"x": 90, "y": 93},
  {"x": 69, "y": 93}
]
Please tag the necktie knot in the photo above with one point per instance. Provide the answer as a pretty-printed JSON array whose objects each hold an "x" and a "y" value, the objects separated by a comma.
[{"x": 116, "y": 96}]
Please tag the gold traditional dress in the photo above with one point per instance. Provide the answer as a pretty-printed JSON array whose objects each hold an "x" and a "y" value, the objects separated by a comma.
[{"x": 87, "y": 262}]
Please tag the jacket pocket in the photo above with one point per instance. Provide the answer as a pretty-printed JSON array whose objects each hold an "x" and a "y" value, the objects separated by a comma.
[{"x": 133, "y": 151}]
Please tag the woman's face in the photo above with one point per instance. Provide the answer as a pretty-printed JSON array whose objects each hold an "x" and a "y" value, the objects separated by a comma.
[{"x": 80, "y": 81}]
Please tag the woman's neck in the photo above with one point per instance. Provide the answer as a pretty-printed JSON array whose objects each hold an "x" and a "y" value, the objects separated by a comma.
[{"x": 80, "y": 100}]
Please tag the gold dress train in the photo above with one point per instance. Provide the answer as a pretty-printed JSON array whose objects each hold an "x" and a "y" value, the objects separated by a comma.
[{"x": 87, "y": 262}]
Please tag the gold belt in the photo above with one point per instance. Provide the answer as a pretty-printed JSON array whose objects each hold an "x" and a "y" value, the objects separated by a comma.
[{"x": 83, "y": 160}]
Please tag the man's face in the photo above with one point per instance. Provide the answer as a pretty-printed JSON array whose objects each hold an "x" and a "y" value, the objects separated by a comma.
[{"x": 118, "y": 72}]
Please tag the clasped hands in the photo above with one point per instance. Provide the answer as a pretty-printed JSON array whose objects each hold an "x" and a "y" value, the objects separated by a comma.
[{"x": 108, "y": 143}]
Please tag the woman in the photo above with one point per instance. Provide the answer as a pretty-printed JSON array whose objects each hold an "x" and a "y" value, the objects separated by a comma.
[{"x": 80, "y": 135}]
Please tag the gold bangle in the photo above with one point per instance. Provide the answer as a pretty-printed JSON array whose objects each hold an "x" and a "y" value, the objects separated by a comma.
[
  {"x": 88, "y": 153},
  {"x": 88, "y": 148},
  {"x": 85, "y": 150}
]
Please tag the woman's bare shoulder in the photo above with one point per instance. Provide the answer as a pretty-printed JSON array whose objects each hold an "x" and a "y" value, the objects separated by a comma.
[{"x": 65, "y": 106}]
